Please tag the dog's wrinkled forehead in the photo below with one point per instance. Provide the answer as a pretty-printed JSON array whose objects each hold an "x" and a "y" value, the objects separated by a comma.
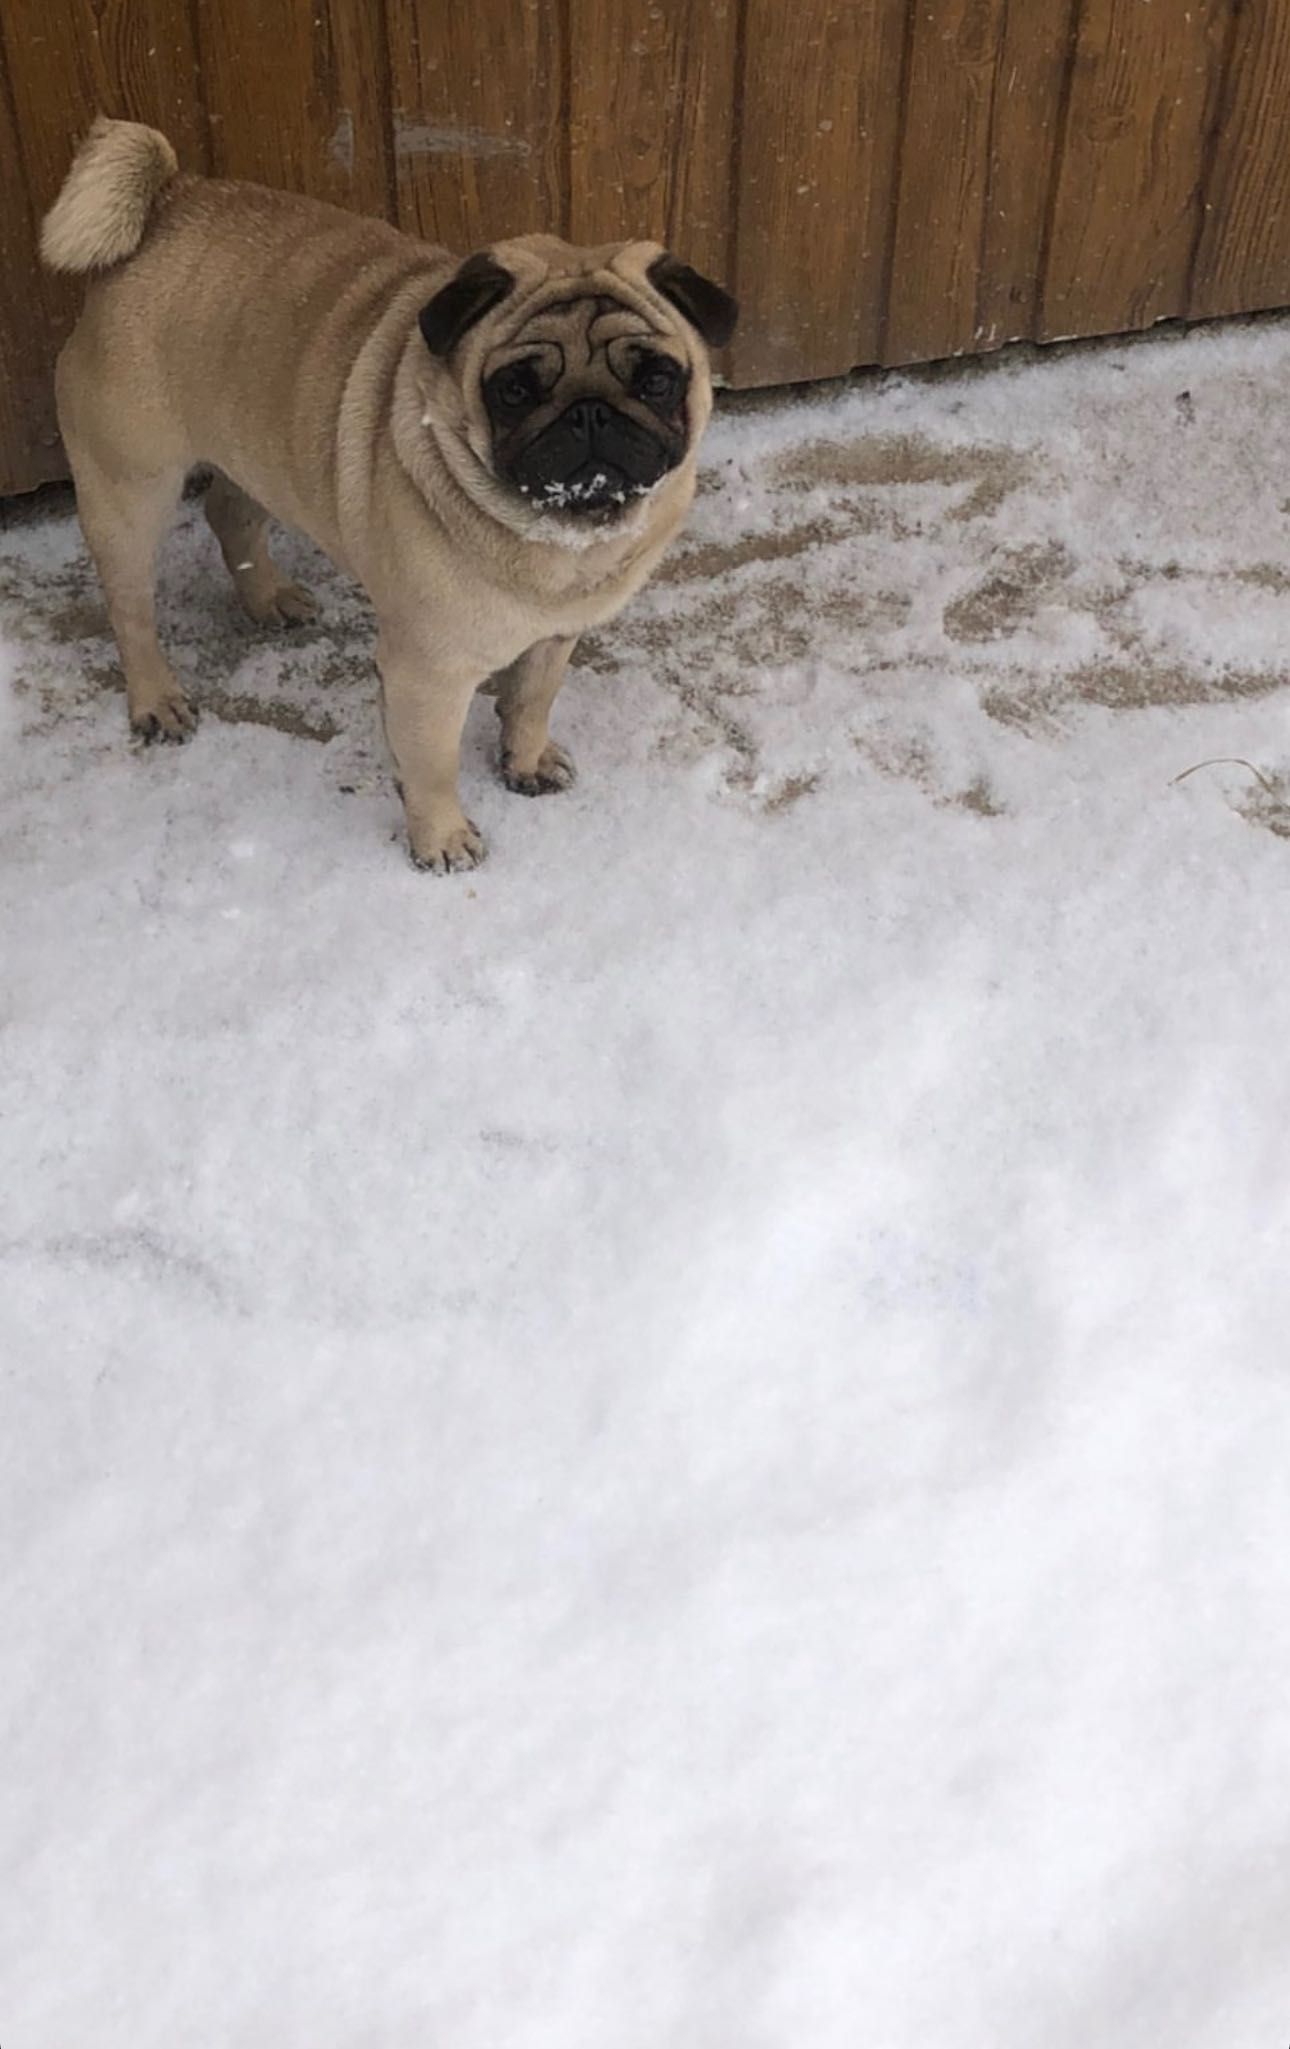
[
  {"x": 548, "y": 287},
  {"x": 580, "y": 325}
]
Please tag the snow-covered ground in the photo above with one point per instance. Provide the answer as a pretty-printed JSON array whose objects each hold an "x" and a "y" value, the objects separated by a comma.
[{"x": 683, "y": 1443}]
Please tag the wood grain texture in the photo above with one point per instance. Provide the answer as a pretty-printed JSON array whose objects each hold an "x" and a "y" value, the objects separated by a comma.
[
  {"x": 818, "y": 115},
  {"x": 944, "y": 178},
  {"x": 297, "y": 95},
  {"x": 651, "y": 124},
  {"x": 1243, "y": 251},
  {"x": 878, "y": 179},
  {"x": 479, "y": 118},
  {"x": 30, "y": 450},
  {"x": 134, "y": 59},
  {"x": 1025, "y": 134},
  {"x": 1126, "y": 198}
]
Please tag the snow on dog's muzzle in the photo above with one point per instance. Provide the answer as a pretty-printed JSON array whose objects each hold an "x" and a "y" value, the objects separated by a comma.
[{"x": 589, "y": 459}]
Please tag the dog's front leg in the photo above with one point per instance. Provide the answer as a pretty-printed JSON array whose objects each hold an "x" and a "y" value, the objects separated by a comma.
[
  {"x": 424, "y": 699},
  {"x": 532, "y": 763}
]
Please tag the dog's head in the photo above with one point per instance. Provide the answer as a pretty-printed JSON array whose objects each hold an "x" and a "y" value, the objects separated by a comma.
[{"x": 578, "y": 379}]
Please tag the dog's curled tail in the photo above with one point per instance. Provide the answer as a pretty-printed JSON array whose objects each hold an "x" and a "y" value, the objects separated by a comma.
[{"x": 101, "y": 214}]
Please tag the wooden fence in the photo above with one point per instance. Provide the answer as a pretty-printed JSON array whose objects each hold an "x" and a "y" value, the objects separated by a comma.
[{"x": 882, "y": 180}]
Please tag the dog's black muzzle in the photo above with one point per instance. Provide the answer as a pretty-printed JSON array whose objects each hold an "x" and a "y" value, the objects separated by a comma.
[{"x": 591, "y": 459}]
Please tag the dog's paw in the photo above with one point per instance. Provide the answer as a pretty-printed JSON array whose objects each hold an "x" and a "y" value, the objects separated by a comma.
[
  {"x": 166, "y": 715},
  {"x": 453, "y": 853},
  {"x": 554, "y": 771},
  {"x": 287, "y": 604}
]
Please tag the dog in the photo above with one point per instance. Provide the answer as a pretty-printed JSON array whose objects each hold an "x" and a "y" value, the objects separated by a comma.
[{"x": 499, "y": 449}]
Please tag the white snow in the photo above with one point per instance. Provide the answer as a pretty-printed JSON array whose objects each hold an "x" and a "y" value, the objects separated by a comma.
[{"x": 683, "y": 1443}]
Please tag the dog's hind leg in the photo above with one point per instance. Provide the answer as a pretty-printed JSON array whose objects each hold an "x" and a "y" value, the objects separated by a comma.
[
  {"x": 124, "y": 515},
  {"x": 240, "y": 526},
  {"x": 128, "y": 461}
]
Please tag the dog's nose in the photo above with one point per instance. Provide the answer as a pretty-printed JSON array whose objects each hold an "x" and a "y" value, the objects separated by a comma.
[{"x": 589, "y": 417}]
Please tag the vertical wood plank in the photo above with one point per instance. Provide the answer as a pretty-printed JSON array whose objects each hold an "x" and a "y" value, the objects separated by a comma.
[
  {"x": 818, "y": 119},
  {"x": 1127, "y": 192},
  {"x": 651, "y": 124},
  {"x": 1064, "y": 167},
  {"x": 1026, "y": 129},
  {"x": 134, "y": 59},
  {"x": 30, "y": 452},
  {"x": 1243, "y": 253},
  {"x": 296, "y": 96},
  {"x": 479, "y": 113},
  {"x": 943, "y": 180}
]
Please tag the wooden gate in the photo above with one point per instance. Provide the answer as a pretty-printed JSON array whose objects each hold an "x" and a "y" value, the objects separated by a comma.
[{"x": 883, "y": 181}]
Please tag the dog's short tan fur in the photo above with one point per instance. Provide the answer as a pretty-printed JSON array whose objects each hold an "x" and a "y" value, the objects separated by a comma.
[{"x": 276, "y": 339}]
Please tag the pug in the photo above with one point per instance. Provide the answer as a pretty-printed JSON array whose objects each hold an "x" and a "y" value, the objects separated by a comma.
[{"x": 499, "y": 449}]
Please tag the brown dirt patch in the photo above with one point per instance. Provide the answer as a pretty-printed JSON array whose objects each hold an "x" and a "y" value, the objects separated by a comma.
[
  {"x": 907, "y": 758},
  {"x": 1264, "y": 576},
  {"x": 791, "y": 791},
  {"x": 716, "y": 558},
  {"x": 1026, "y": 707},
  {"x": 998, "y": 606},
  {"x": 1143, "y": 683},
  {"x": 882, "y": 460},
  {"x": 238, "y": 708}
]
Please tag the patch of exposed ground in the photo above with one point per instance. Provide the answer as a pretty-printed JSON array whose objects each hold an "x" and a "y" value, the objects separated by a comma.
[
  {"x": 1131, "y": 674},
  {"x": 912, "y": 758},
  {"x": 1268, "y": 806},
  {"x": 1145, "y": 682},
  {"x": 1132, "y": 681},
  {"x": 850, "y": 579},
  {"x": 300, "y": 689},
  {"x": 1027, "y": 578},
  {"x": 710, "y": 559},
  {"x": 882, "y": 460},
  {"x": 791, "y": 791},
  {"x": 1260, "y": 796}
]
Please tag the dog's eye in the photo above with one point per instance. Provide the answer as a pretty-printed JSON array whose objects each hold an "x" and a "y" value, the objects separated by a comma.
[
  {"x": 657, "y": 381},
  {"x": 514, "y": 388}
]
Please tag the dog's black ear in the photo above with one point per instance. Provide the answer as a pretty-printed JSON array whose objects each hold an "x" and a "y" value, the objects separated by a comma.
[
  {"x": 705, "y": 305},
  {"x": 479, "y": 285}
]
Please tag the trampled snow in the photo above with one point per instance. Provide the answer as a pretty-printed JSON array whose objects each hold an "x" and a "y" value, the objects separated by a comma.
[{"x": 684, "y": 1442}]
